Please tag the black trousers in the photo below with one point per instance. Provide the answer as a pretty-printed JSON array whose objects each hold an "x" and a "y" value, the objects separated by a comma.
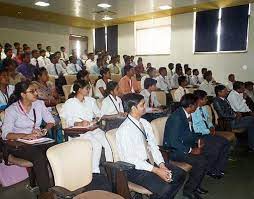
[
  {"x": 99, "y": 182},
  {"x": 216, "y": 150},
  {"x": 199, "y": 168},
  {"x": 37, "y": 156},
  {"x": 152, "y": 182}
]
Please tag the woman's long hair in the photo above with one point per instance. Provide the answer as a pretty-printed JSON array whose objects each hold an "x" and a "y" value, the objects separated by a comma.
[
  {"x": 20, "y": 87},
  {"x": 38, "y": 73},
  {"x": 78, "y": 85},
  {"x": 111, "y": 87},
  {"x": 103, "y": 72}
]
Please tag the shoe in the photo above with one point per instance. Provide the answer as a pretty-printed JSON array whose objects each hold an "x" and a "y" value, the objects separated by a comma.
[
  {"x": 200, "y": 190},
  {"x": 189, "y": 195},
  {"x": 215, "y": 176}
]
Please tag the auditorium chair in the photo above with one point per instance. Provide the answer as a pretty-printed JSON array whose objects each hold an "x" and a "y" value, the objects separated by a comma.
[
  {"x": 73, "y": 173},
  {"x": 67, "y": 91},
  {"x": 70, "y": 79},
  {"x": 158, "y": 126},
  {"x": 162, "y": 98},
  {"x": 116, "y": 77}
]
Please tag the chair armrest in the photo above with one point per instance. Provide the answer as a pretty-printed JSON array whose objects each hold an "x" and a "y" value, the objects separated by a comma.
[
  {"x": 165, "y": 151},
  {"x": 62, "y": 192}
]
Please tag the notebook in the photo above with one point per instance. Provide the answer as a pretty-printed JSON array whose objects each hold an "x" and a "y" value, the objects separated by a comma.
[{"x": 36, "y": 141}]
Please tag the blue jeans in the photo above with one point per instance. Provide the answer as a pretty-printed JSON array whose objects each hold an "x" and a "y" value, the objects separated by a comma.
[{"x": 248, "y": 123}]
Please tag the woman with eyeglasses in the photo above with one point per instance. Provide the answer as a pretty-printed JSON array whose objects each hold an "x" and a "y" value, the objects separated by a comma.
[
  {"x": 80, "y": 110},
  {"x": 23, "y": 119}
]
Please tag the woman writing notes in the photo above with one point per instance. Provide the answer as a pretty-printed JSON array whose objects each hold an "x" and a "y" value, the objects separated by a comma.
[
  {"x": 80, "y": 110},
  {"x": 22, "y": 120}
]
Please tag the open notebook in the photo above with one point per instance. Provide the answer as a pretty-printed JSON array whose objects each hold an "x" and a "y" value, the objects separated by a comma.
[{"x": 36, "y": 141}]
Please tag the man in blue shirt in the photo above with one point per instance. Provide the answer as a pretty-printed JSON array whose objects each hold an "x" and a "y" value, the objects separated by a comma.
[{"x": 216, "y": 147}]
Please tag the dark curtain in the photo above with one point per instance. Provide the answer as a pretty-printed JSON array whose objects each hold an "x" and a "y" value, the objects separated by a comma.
[
  {"x": 100, "y": 43},
  {"x": 234, "y": 28},
  {"x": 112, "y": 40},
  {"x": 206, "y": 31}
]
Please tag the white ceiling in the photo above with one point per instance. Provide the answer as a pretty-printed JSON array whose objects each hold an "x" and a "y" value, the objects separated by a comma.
[{"x": 122, "y": 8}]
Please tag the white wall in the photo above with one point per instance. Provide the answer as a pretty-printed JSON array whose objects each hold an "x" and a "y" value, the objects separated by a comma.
[
  {"x": 182, "y": 50},
  {"x": 33, "y": 32}
]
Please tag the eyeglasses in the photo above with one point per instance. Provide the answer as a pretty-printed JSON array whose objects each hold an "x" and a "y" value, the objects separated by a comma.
[{"x": 32, "y": 91}]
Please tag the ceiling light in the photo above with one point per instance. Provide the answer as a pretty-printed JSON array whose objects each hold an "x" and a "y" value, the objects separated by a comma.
[
  {"x": 42, "y": 3},
  {"x": 104, "y": 5},
  {"x": 106, "y": 18},
  {"x": 165, "y": 7}
]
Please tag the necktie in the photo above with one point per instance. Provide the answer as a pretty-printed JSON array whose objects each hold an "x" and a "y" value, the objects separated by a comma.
[
  {"x": 184, "y": 91},
  {"x": 203, "y": 117},
  {"x": 148, "y": 150},
  {"x": 37, "y": 63},
  {"x": 63, "y": 55},
  {"x": 76, "y": 67},
  {"x": 150, "y": 101},
  {"x": 190, "y": 124},
  {"x": 55, "y": 69}
]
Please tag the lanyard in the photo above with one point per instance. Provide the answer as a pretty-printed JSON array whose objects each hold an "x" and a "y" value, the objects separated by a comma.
[
  {"x": 143, "y": 132},
  {"x": 203, "y": 116},
  {"x": 114, "y": 104},
  {"x": 23, "y": 111}
]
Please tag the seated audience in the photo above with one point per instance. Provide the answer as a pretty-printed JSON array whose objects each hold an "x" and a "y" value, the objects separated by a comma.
[
  {"x": 139, "y": 68},
  {"x": 181, "y": 139},
  {"x": 112, "y": 104},
  {"x": 5, "y": 89},
  {"x": 249, "y": 90},
  {"x": 163, "y": 82},
  {"x": 18, "y": 57},
  {"x": 237, "y": 101},
  {"x": 26, "y": 69},
  {"x": 151, "y": 73},
  {"x": 201, "y": 77},
  {"x": 39, "y": 47},
  {"x": 84, "y": 76},
  {"x": 43, "y": 60},
  {"x": 195, "y": 78},
  {"x": 64, "y": 55},
  {"x": 181, "y": 91},
  {"x": 2, "y": 54},
  {"x": 59, "y": 60},
  {"x": 79, "y": 111},
  {"x": 47, "y": 92},
  {"x": 114, "y": 66},
  {"x": 178, "y": 73},
  {"x": 207, "y": 85},
  {"x": 16, "y": 47},
  {"x": 170, "y": 70},
  {"x": 188, "y": 76},
  {"x": 216, "y": 147},
  {"x": 79, "y": 61},
  {"x": 128, "y": 83},
  {"x": 231, "y": 81},
  {"x": 101, "y": 84},
  {"x": 73, "y": 68},
  {"x": 95, "y": 69},
  {"x": 90, "y": 62},
  {"x": 48, "y": 51},
  {"x": 34, "y": 60},
  {"x": 127, "y": 61},
  {"x": 132, "y": 61},
  {"x": 8, "y": 53},
  {"x": 148, "y": 65},
  {"x": 136, "y": 145},
  {"x": 235, "y": 119},
  {"x": 23, "y": 119},
  {"x": 14, "y": 76}
]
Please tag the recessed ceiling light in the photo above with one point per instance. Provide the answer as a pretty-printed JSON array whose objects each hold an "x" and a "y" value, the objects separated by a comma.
[
  {"x": 165, "y": 7},
  {"x": 104, "y": 5},
  {"x": 106, "y": 18},
  {"x": 42, "y": 3}
]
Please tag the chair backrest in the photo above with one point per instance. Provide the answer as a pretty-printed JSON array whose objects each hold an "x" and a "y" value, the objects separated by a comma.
[
  {"x": 59, "y": 108},
  {"x": 71, "y": 164},
  {"x": 111, "y": 137},
  {"x": 70, "y": 79},
  {"x": 173, "y": 94},
  {"x": 67, "y": 91},
  {"x": 93, "y": 78},
  {"x": 210, "y": 113},
  {"x": 162, "y": 98},
  {"x": 216, "y": 116},
  {"x": 158, "y": 126},
  {"x": 116, "y": 77},
  {"x": 52, "y": 79},
  {"x": 99, "y": 103}
]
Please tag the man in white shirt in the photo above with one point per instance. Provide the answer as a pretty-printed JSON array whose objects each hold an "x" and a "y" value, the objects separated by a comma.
[
  {"x": 136, "y": 145},
  {"x": 188, "y": 76},
  {"x": 59, "y": 60},
  {"x": 236, "y": 99},
  {"x": 64, "y": 55},
  {"x": 201, "y": 78},
  {"x": 43, "y": 60},
  {"x": 163, "y": 82},
  {"x": 249, "y": 90},
  {"x": 178, "y": 73},
  {"x": 195, "y": 77},
  {"x": 231, "y": 81},
  {"x": 207, "y": 85},
  {"x": 73, "y": 68},
  {"x": 5, "y": 89},
  {"x": 181, "y": 91},
  {"x": 48, "y": 51},
  {"x": 151, "y": 73},
  {"x": 170, "y": 70},
  {"x": 54, "y": 68},
  {"x": 2, "y": 54},
  {"x": 35, "y": 61},
  {"x": 90, "y": 62}
]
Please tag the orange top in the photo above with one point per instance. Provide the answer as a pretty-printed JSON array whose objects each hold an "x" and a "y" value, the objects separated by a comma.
[{"x": 128, "y": 85}]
